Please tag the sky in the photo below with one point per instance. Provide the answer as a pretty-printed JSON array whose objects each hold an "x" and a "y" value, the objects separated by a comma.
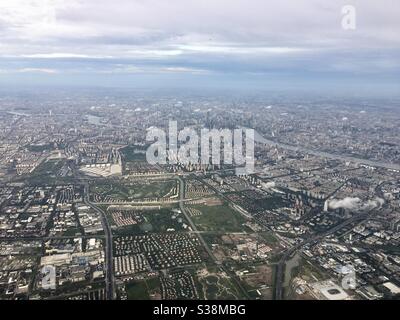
[{"x": 275, "y": 44}]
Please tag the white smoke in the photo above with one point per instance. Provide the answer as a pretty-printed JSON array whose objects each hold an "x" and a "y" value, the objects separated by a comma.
[
  {"x": 268, "y": 185},
  {"x": 346, "y": 203},
  {"x": 356, "y": 204}
]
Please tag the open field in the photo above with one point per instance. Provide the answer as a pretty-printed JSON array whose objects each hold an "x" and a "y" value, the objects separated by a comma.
[
  {"x": 215, "y": 284},
  {"x": 307, "y": 272},
  {"x": 133, "y": 190},
  {"x": 47, "y": 172},
  {"x": 218, "y": 218},
  {"x": 143, "y": 290},
  {"x": 134, "y": 153},
  {"x": 144, "y": 221},
  {"x": 258, "y": 280}
]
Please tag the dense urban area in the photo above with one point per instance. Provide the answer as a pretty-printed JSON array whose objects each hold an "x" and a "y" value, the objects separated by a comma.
[{"x": 318, "y": 219}]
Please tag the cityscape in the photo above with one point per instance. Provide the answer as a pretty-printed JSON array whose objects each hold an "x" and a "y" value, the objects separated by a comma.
[
  {"x": 77, "y": 193},
  {"x": 84, "y": 214}
]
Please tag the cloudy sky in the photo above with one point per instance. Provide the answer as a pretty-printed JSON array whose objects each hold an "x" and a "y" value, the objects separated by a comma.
[{"x": 265, "y": 43}]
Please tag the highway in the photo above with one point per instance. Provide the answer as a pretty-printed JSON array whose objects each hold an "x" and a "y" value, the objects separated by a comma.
[
  {"x": 233, "y": 205},
  {"x": 289, "y": 252},
  {"x": 279, "y": 276},
  {"x": 201, "y": 239},
  {"x": 46, "y": 238},
  {"x": 260, "y": 139},
  {"x": 192, "y": 225},
  {"x": 109, "y": 262}
]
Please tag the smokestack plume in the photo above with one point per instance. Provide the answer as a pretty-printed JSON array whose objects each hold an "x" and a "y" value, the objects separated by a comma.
[{"x": 356, "y": 204}]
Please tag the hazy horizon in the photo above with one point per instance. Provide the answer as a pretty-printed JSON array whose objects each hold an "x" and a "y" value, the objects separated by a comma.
[{"x": 274, "y": 45}]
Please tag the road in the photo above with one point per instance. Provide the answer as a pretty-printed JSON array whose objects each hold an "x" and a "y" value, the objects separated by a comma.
[
  {"x": 260, "y": 139},
  {"x": 223, "y": 196},
  {"x": 289, "y": 252},
  {"x": 201, "y": 239},
  {"x": 281, "y": 265},
  {"x": 109, "y": 261},
  {"x": 187, "y": 217},
  {"x": 46, "y": 238}
]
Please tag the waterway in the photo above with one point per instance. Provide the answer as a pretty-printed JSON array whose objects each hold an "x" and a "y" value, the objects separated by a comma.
[
  {"x": 289, "y": 266},
  {"x": 260, "y": 139}
]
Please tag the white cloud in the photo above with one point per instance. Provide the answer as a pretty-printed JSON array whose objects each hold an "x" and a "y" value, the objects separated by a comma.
[
  {"x": 279, "y": 25},
  {"x": 356, "y": 204},
  {"x": 29, "y": 70},
  {"x": 127, "y": 69},
  {"x": 240, "y": 31},
  {"x": 36, "y": 70},
  {"x": 183, "y": 70},
  {"x": 58, "y": 55},
  {"x": 237, "y": 49}
]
